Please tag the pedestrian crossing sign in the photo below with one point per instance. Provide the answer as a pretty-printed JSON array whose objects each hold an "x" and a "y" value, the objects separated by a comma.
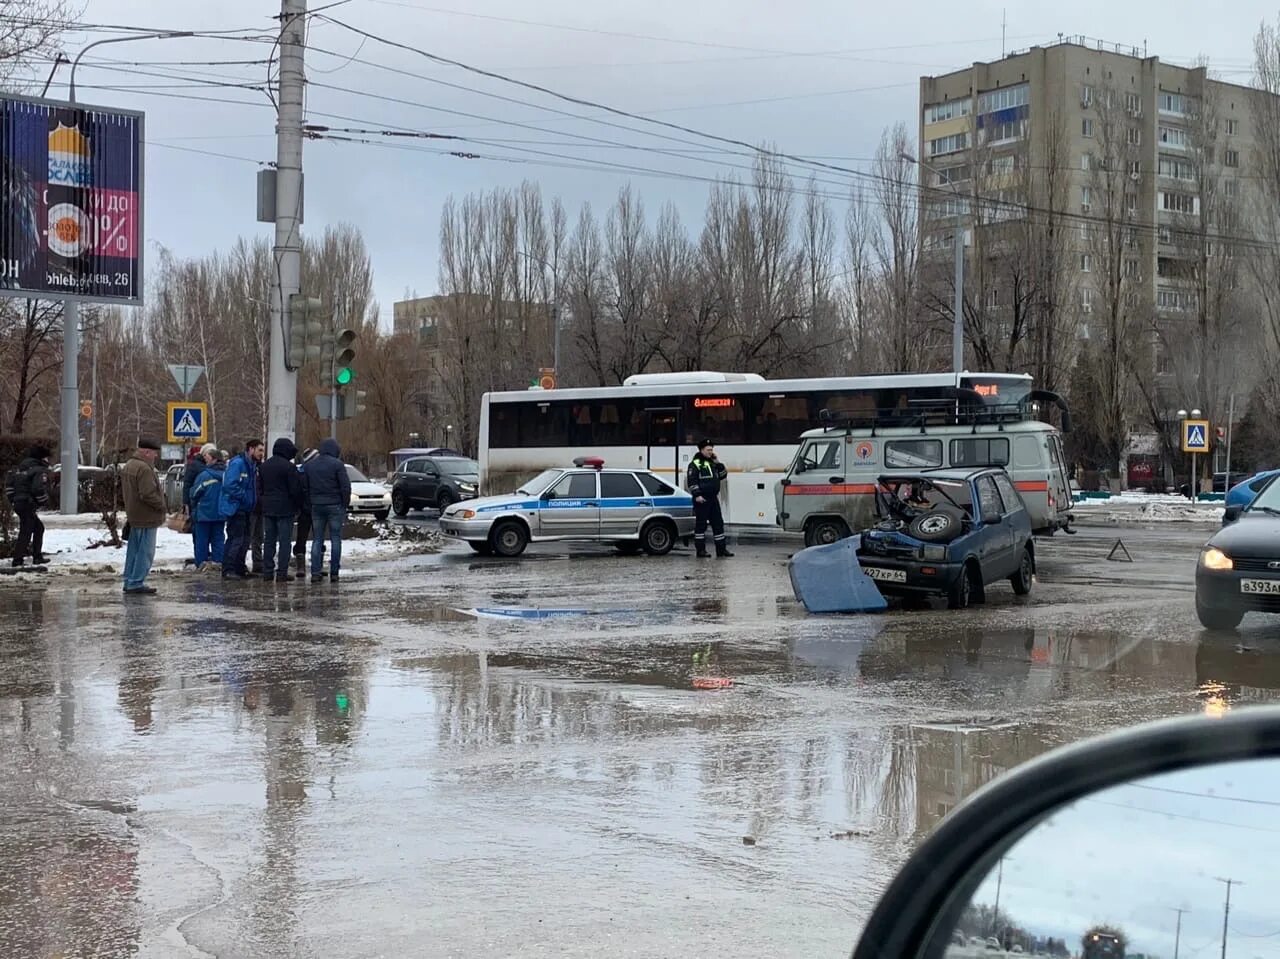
[
  {"x": 1195, "y": 436},
  {"x": 187, "y": 423}
]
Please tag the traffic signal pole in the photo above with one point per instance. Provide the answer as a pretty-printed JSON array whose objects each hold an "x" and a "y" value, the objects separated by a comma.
[{"x": 286, "y": 275}]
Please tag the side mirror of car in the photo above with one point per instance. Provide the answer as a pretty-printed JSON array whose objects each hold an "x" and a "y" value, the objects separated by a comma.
[
  {"x": 1231, "y": 514},
  {"x": 1005, "y": 867},
  {"x": 992, "y": 519},
  {"x": 548, "y": 495}
]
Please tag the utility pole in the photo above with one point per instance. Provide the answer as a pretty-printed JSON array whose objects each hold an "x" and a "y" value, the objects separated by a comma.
[
  {"x": 1226, "y": 911},
  {"x": 1177, "y": 933},
  {"x": 286, "y": 278}
]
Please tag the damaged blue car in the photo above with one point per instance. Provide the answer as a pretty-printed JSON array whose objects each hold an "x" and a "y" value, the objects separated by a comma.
[{"x": 949, "y": 533}]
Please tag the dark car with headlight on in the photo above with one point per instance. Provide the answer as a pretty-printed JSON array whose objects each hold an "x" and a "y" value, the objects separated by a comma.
[{"x": 1239, "y": 568}]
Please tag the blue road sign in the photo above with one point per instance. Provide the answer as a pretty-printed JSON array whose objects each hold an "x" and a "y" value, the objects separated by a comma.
[
  {"x": 1195, "y": 436},
  {"x": 187, "y": 422}
]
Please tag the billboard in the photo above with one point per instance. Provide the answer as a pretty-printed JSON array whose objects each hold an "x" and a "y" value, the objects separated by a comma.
[{"x": 70, "y": 201}]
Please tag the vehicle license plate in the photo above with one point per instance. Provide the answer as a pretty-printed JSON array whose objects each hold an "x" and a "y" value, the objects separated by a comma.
[
  {"x": 882, "y": 575},
  {"x": 1263, "y": 587}
]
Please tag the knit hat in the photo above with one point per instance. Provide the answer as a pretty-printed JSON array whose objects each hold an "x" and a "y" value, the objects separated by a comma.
[
  {"x": 209, "y": 449},
  {"x": 148, "y": 443}
]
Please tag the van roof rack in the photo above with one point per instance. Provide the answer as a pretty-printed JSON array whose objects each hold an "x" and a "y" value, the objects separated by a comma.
[{"x": 965, "y": 407}]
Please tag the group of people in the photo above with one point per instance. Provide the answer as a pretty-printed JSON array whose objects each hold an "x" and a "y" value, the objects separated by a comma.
[{"x": 242, "y": 505}]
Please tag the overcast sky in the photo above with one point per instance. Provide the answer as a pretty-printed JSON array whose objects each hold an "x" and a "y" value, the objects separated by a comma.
[
  {"x": 833, "y": 75},
  {"x": 1132, "y": 855}
]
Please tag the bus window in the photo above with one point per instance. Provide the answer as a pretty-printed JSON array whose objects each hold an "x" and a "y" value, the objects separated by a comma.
[
  {"x": 719, "y": 419},
  {"x": 980, "y": 451},
  {"x": 544, "y": 424},
  {"x": 912, "y": 454},
  {"x": 781, "y": 420},
  {"x": 504, "y": 426}
]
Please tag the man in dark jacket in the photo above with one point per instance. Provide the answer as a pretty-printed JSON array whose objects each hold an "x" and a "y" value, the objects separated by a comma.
[
  {"x": 703, "y": 480},
  {"x": 237, "y": 500},
  {"x": 303, "y": 530},
  {"x": 329, "y": 488},
  {"x": 197, "y": 460},
  {"x": 281, "y": 499},
  {"x": 30, "y": 492}
]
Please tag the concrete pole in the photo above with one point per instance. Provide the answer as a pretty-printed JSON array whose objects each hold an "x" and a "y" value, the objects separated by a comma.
[
  {"x": 286, "y": 278},
  {"x": 93, "y": 399},
  {"x": 957, "y": 326},
  {"x": 70, "y": 427}
]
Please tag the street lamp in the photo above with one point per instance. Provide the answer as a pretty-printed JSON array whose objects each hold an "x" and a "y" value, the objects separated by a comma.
[
  {"x": 555, "y": 306},
  {"x": 957, "y": 325},
  {"x": 448, "y": 437},
  {"x": 163, "y": 35}
]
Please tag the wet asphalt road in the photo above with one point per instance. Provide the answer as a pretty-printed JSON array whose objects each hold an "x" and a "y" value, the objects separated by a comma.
[{"x": 379, "y": 770}]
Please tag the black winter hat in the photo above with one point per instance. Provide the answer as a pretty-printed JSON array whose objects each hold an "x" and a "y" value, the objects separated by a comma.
[{"x": 38, "y": 452}]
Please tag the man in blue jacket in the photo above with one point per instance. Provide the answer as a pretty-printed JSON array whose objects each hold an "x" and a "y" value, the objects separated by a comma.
[
  {"x": 329, "y": 489},
  {"x": 239, "y": 495}
]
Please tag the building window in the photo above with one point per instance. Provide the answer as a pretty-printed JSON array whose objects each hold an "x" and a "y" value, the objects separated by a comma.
[
  {"x": 1131, "y": 268},
  {"x": 1162, "y": 358},
  {"x": 993, "y": 298},
  {"x": 1086, "y": 262},
  {"x": 1086, "y": 95},
  {"x": 1004, "y": 132},
  {"x": 1230, "y": 187},
  {"x": 949, "y": 206},
  {"x": 1086, "y": 197},
  {"x": 1174, "y": 103},
  {"x": 1086, "y": 162},
  {"x": 1179, "y": 202},
  {"x": 1178, "y": 169},
  {"x": 994, "y": 100},
  {"x": 1133, "y": 104},
  {"x": 1176, "y": 301},
  {"x": 1133, "y": 136},
  {"x": 1173, "y": 137},
  {"x": 1233, "y": 127},
  {"x": 1131, "y": 202},
  {"x": 1135, "y": 169},
  {"x": 1086, "y": 127},
  {"x": 1000, "y": 165},
  {"x": 1165, "y": 235},
  {"x": 952, "y": 144},
  {"x": 1231, "y": 157},
  {"x": 939, "y": 112},
  {"x": 1086, "y": 300},
  {"x": 952, "y": 174}
]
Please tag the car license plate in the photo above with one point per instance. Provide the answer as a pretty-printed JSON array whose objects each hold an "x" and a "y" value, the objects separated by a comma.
[
  {"x": 882, "y": 575},
  {"x": 1262, "y": 587}
]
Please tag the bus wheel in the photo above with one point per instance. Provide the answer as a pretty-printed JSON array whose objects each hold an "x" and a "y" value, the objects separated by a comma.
[{"x": 824, "y": 532}]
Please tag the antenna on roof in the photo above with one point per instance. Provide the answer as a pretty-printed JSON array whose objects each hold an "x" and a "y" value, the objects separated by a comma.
[{"x": 1004, "y": 22}]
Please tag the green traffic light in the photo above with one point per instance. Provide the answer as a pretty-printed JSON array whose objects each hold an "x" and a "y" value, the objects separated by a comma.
[
  {"x": 344, "y": 376},
  {"x": 341, "y": 701}
]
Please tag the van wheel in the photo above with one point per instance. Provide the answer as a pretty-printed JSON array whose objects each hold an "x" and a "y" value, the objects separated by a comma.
[
  {"x": 1025, "y": 576},
  {"x": 657, "y": 538},
  {"x": 509, "y": 538},
  {"x": 966, "y": 590},
  {"x": 824, "y": 532}
]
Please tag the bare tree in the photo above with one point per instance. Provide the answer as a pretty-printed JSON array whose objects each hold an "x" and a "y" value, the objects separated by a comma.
[
  {"x": 897, "y": 248},
  {"x": 30, "y": 33}
]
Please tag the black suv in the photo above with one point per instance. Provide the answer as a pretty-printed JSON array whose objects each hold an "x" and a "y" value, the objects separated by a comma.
[{"x": 433, "y": 482}]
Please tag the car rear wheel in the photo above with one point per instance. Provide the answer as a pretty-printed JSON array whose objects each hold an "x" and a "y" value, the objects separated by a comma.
[
  {"x": 445, "y": 499},
  {"x": 509, "y": 538},
  {"x": 657, "y": 538},
  {"x": 824, "y": 532},
  {"x": 1223, "y": 618},
  {"x": 936, "y": 526},
  {"x": 399, "y": 505},
  {"x": 1025, "y": 575},
  {"x": 966, "y": 589},
  {"x": 484, "y": 549}
]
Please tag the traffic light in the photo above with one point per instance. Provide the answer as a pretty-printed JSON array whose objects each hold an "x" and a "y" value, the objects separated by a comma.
[
  {"x": 343, "y": 354},
  {"x": 306, "y": 329},
  {"x": 359, "y": 406}
]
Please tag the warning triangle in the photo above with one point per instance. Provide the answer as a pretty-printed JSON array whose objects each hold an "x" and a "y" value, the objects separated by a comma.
[
  {"x": 1195, "y": 436},
  {"x": 187, "y": 426}
]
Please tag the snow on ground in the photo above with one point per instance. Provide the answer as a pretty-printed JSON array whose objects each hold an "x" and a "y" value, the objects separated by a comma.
[
  {"x": 74, "y": 544},
  {"x": 1134, "y": 507}
]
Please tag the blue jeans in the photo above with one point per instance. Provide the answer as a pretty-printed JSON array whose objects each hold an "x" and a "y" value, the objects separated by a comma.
[
  {"x": 333, "y": 517},
  {"x": 237, "y": 544},
  {"x": 209, "y": 539},
  {"x": 276, "y": 531},
  {"x": 138, "y": 556}
]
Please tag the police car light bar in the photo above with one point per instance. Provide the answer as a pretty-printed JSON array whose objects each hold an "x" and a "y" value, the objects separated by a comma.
[{"x": 591, "y": 462}]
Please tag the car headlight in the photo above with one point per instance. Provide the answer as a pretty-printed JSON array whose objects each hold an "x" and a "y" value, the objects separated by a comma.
[
  {"x": 936, "y": 553},
  {"x": 465, "y": 514},
  {"x": 1214, "y": 558},
  {"x": 386, "y": 497},
  {"x": 469, "y": 487}
]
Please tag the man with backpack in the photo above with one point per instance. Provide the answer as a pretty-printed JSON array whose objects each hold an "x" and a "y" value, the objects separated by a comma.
[
  {"x": 236, "y": 503},
  {"x": 27, "y": 489},
  {"x": 208, "y": 527}
]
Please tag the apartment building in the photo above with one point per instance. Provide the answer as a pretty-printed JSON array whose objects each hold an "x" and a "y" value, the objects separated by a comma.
[{"x": 1157, "y": 151}]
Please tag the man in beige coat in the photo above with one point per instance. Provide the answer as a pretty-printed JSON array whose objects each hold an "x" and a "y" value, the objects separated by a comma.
[{"x": 144, "y": 506}]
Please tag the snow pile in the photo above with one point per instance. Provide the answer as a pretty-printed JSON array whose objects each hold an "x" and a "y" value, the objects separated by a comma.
[{"x": 1148, "y": 508}]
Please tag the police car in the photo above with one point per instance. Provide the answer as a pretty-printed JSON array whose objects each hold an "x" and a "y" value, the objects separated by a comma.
[{"x": 632, "y": 509}]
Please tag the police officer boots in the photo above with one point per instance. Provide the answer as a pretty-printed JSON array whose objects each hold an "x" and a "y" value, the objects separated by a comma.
[
  {"x": 722, "y": 548},
  {"x": 700, "y": 545}
]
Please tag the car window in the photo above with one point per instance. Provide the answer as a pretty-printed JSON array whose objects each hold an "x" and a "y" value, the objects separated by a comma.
[
  {"x": 355, "y": 475},
  {"x": 824, "y": 455},
  {"x": 980, "y": 451},
  {"x": 576, "y": 486},
  {"x": 912, "y": 454},
  {"x": 619, "y": 486},
  {"x": 1260, "y": 482},
  {"x": 1008, "y": 493},
  {"x": 654, "y": 486},
  {"x": 989, "y": 500}
]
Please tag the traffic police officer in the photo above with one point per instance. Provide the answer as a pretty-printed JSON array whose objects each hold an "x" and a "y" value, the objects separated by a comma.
[{"x": 703, "y": 480}]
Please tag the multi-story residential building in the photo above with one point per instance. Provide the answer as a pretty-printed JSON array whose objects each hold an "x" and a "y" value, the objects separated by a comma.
[{"x": 1146, "y": 164}]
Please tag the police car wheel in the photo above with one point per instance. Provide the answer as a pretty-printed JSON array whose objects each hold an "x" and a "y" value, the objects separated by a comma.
[
  {"x": 509, "y": 538},
  {"x": 657, "y": 538}
]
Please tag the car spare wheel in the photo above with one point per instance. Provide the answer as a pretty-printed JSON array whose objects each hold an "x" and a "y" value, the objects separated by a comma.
[{"x": 936, "y": 526}]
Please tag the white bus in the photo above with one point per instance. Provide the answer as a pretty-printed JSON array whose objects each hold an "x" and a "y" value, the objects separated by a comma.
[{"x": 655, "y": 421}]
